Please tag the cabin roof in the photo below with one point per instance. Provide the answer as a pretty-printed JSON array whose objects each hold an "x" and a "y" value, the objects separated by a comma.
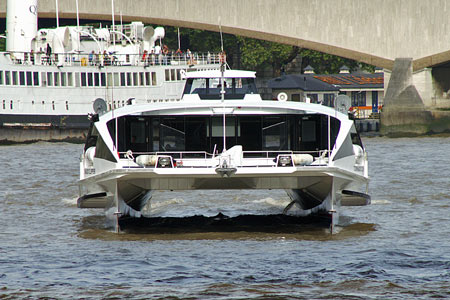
[
  {"x": 218, "y": 74},
  {"x": 334, "y": 82},
  {"x": 303, "y": 82},
  {"x": 353, "y": 80},
  {"x": 206, "y": 107}
]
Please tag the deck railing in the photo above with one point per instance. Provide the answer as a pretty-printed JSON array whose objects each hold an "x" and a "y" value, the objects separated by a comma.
[
  {"x": 366, "y": 112},
  {"x": 200, "y": 159},
  {"x": 111, "y": 59}
]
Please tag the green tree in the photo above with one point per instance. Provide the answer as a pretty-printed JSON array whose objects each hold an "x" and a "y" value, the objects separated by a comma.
[
  {"x": 2, "y": 43},
  {"x": 329, "y": 64},
  {"x": 257, "y": 54},
  {"x": 196, "y": 40},
  {"x": 201, "y": 41}
]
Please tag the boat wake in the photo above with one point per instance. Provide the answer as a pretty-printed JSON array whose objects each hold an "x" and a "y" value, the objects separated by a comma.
[
  {"x": 70, "y": 201},
  {"x": 277, "y": 223},
  {"x": 221, "y": 227}
]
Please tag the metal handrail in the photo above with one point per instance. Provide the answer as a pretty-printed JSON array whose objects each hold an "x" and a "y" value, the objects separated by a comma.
[
  {"x": 204, "y": 153},
  {"x": 179, "y": 156},
  {"x": 180, "y": 153},
  {"x": 111, "y": 59}
]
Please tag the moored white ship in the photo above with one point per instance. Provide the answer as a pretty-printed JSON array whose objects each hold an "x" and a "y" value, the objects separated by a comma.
[
  {"x": 222, "y": 135},
  {"x": 51, "y": 79}
]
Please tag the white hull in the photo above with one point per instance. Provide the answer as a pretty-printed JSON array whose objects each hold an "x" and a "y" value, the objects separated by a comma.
[
  {"x": 310, "y": 151},
  {"x": 324, "y": 183},
  {"x": 36, "y": 104}
]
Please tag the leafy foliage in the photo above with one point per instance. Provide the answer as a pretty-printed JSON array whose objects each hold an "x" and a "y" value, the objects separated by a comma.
[
  {"x": 253, "y": 54},
  {"x": 257, "y": 53},
  {"x": 201, "y": 41},
  {"x": 329, "y": 64},
  {"x": 2, "y": 43}
]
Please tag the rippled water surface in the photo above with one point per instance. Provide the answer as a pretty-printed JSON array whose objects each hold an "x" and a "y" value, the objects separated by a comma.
[{"x": 396, "y": 248}]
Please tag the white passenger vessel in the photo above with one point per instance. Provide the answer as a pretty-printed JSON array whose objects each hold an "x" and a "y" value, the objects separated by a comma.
[
  {"x": 222, "y": 135},
  {"x": 51, "y": 79}
]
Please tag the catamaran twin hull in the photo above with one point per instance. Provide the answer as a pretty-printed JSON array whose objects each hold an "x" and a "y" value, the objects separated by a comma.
[
  {"x": 313, "y": 179},
  {"x": 314, "y": 189},
  {"x": 311, "y": 151}
]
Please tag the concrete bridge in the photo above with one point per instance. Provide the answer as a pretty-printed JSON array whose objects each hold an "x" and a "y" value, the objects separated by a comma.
[{"x": 376, "y": 32}]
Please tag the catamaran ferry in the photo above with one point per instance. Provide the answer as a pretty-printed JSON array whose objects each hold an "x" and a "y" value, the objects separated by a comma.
[
  {"x": 222, "y": 135},
  {"x": 51, "y": 79}
]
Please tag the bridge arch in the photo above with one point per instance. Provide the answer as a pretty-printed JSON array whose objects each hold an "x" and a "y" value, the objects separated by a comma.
[{"x": 374, "y": 32}]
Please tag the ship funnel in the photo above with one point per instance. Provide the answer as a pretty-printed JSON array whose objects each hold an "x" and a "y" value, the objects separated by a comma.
[
  {"x": 66, "y": 39},
  {"x": 148, "y": 34},
  {"x": 158, "y": 33},
  {"x": 61, "y": 39},
  {"x": 21, "y": 25}
]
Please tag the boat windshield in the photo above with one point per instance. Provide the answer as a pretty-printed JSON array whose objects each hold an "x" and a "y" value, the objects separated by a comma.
[
  {"x": 198, "y": 133},
  {"x": 209, "y": 88}
]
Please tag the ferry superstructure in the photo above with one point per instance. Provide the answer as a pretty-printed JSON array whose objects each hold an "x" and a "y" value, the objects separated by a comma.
[
  {"x": 222, "y": 135},
  {"x": 51, "y": 79}
]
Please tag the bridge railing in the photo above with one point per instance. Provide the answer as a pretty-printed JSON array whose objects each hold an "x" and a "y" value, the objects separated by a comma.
[{"x": 111, "y": 59}]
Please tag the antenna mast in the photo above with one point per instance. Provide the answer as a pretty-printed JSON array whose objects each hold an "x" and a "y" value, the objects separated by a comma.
[
  {"x": 57, "y": 14},
  {"x": 112, "y": 93},
  {"x": 222, "y": 89},
  {"x": 78, "y": 26},
  {"x": 113, "y": 23}
]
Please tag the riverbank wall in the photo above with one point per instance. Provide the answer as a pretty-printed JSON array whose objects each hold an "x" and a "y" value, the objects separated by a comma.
[
  {"x": 368, "y": 126},
  {"x": 16, "y": 135}
]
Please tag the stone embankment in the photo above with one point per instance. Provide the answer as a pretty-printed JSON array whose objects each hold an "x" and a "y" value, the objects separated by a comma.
[{"x": 368, "y": 126}]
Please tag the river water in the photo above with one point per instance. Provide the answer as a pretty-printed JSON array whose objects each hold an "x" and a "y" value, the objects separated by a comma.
[{"x": 396, "y": 248}]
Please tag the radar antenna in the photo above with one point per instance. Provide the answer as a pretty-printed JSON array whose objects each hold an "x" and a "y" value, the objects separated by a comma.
[{"x": 99, "y": 106}]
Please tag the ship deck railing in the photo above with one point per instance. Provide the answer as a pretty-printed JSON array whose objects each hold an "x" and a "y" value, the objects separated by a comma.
[
  {"x": 200, "y": 159},
  {"x": 112, "y": 59}
]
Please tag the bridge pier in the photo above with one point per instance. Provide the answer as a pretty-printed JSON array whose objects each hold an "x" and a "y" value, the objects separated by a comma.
[{"x": 414, "y": 103}]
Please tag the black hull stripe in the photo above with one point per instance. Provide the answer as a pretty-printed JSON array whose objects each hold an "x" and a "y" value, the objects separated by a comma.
[{"x": 56, "y": 121}]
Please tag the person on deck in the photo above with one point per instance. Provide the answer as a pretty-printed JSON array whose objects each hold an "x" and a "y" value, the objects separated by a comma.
[{"x": 48, "y": 52}]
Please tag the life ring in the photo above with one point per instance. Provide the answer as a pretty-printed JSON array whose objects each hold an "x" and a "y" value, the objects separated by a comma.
[{"x": 282, "y": 97}]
